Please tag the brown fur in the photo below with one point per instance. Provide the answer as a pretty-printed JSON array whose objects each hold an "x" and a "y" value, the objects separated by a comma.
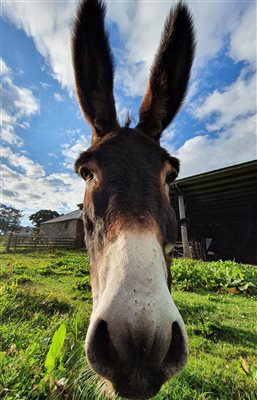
[
  {"x": 133, "y": 197},
  {"x": 126, "y": 170},
  {"x": 93, "y": 67}
]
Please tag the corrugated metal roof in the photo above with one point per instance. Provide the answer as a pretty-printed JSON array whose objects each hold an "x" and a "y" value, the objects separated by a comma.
[
  {"x": 77, "y": 214},
  {"x": 219, "y": 192}
]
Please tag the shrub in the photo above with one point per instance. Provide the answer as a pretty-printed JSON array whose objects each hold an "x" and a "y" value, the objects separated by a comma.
[{"x": 227, "y": 276}]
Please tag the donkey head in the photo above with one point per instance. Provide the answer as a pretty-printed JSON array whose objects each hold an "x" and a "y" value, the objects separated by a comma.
[{"x": 136, "y": 338}]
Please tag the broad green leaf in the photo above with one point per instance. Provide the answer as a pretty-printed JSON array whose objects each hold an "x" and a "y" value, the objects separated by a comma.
[
  {"x": 2, "y": 357},
  {"x": 55, "y": 348},
  {"x": 253, "y": 372}
]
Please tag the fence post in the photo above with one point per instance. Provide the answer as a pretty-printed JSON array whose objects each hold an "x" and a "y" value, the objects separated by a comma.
[
  {"x": 15, "y": 243},
  {"x": 184, "y": 235},
  {"x": 8, "y": 243}
]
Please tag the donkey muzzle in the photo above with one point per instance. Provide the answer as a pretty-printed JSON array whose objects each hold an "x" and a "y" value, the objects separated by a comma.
[{"x": 136, "y": 338}]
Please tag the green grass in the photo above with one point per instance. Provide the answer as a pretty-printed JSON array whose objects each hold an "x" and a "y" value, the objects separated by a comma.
[{"x": 41, "y": 292}]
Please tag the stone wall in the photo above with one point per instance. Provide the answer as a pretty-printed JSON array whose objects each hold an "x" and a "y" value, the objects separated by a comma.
[{"x": 72, "y": 229}]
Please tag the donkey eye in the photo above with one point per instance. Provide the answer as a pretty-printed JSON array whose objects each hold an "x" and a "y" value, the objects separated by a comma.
[
  {"x": 171, "y": 176},
  {"x": 86, "y": 174}
]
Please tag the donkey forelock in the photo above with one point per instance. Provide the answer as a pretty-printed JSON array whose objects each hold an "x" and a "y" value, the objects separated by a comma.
[{"x": 136, "y": 338}]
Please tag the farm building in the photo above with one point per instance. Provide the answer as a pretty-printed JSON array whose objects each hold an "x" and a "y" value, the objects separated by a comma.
[
  {"x": 26, "y": 230},
  {"x": 68, "y": 226},
  {"x": 218, "y": 209}
]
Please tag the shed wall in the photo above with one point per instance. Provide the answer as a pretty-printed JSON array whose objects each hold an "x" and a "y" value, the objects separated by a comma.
[
  {"x": 65, "y": 229},
  {"x": 80, "y": 234}
]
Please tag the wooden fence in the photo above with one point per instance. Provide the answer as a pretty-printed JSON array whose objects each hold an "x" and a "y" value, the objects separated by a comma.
[
  {"x": 195, "y": 250},
  {"x": 17, "y": 241}
]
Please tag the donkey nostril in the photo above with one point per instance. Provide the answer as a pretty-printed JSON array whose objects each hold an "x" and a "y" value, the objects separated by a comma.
[
  {"x": 101, "y": 353},
  {"x": 177, "y": 353}
]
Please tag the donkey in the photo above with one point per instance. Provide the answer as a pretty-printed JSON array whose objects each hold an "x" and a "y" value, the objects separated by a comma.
[{"x": 136, "y": 337}]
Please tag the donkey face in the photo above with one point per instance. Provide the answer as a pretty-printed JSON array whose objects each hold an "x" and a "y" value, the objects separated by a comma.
[{"x": 136, "y": 338}]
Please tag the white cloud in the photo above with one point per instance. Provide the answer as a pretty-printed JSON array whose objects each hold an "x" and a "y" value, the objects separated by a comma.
[
  {"x": 26, "y": 185},
  {"x": 24, "y": 100},
  {"x": 8, "y": 134},
  {"x": 214, "y": 23},
  {"x": 24, "y": 125},
  {"x": 48, "y": 24},
  {"x": 243, "y": 39},
  {"x": 17, "y": 103},
  {"x": 58, "y": 97},
  {"x": 28, "y": 167},
  {"x": 123, "y": 111},
  {"x": 54, "y": 155},
  {"x": 71, "y": 133},
  {"x": 166, "y": 140},
  {"x": 140, "y": 25},
  {"x": 45, "y": 85},
  {"x": 132, "y": 78},
  {"x": 71, "y": 151},
  {"x": 233, "y": 102},
  {"x": 4, "y": 69},
  {"x": 233, "y": 145},
  {"x": 231, "y": 136}
]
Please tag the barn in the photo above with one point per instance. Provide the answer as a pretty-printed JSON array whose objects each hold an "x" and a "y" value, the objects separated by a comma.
[
  {"x": 68, "y": 226},
  {"x": 218, "y": 210}
]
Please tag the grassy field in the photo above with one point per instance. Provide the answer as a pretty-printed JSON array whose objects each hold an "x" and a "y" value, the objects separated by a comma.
[{"x": 45, "y": 304}]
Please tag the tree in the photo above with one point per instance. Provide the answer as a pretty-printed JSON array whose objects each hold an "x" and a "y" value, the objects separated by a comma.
[
  {"x": 42, "y": 216},
  {"x": 9, "y": 218}
]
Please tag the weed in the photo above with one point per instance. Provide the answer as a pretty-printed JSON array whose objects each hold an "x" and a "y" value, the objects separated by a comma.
[
  {"x": 222, "y": 276},
  {"x": 54, "y": 362},
  {"x": 83, "y": 284}
]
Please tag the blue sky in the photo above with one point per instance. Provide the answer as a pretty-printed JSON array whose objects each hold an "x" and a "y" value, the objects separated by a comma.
[{"x": 42, "y": 128}]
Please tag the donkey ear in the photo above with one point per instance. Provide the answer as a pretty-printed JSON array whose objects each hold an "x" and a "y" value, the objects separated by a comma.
[
  {"x": 93, "y": 68},
  {"x": 169, "y": 74}
]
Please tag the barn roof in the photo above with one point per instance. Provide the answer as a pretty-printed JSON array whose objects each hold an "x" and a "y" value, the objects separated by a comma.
[
  {"x": 223, "y": 193},
  {"x": 77, "y": 214}
]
